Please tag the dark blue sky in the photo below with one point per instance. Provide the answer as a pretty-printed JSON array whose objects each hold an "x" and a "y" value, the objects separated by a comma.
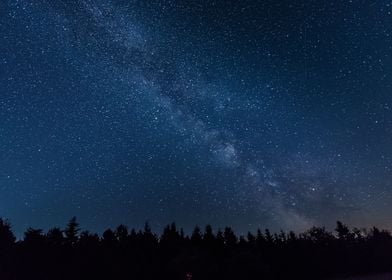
[{"x": 244, "y": 113}]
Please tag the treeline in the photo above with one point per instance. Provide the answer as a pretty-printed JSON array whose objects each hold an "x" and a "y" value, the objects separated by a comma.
[{"x": 205, "y": 254}]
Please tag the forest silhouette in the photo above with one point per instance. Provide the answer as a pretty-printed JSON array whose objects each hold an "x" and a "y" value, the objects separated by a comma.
[{"x": 204, "y": 254}]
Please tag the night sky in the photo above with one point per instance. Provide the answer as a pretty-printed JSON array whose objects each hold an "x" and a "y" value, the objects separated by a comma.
[{"x": 268, "y": 113}]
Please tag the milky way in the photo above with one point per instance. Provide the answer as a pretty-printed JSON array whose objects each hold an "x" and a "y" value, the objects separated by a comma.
[{"x": 243, "y": 113}]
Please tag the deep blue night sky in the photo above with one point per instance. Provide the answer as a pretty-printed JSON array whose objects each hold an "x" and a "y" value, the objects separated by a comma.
[{"x": 243, "y": 113}]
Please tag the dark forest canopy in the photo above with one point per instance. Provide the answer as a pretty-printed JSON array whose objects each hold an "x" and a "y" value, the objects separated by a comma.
[{"x": 204, "y": 254}]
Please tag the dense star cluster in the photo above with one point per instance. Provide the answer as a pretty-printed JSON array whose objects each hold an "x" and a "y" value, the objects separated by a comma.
[{"x": 243, "y": 113}]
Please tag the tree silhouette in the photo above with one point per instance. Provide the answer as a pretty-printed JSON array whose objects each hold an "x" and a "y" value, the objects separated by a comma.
[
  {"x": 7, "y": 238},
  {"x": 122, "y": 234},
  {"x": 229, "y": 237},
  {"x": 88, "y": 240},
  {"x": 343, "y": 231},
  {"x": 127, "y": 254},
  {"x": 196, "y": 236},
  {"x": 34, "y": 236},
  {"x": 109, "y": 238},
  {"x": 55, "y": 237},
  {"x": 71, "y": 231}
]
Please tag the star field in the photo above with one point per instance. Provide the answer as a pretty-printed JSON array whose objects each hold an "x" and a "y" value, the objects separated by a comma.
[{"x": 244, "y": 113}]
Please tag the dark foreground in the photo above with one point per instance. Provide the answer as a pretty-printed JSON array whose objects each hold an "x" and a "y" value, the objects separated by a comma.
[
  {"x": 205, "y": 254},
  {"x": 385, "y": 276}
]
